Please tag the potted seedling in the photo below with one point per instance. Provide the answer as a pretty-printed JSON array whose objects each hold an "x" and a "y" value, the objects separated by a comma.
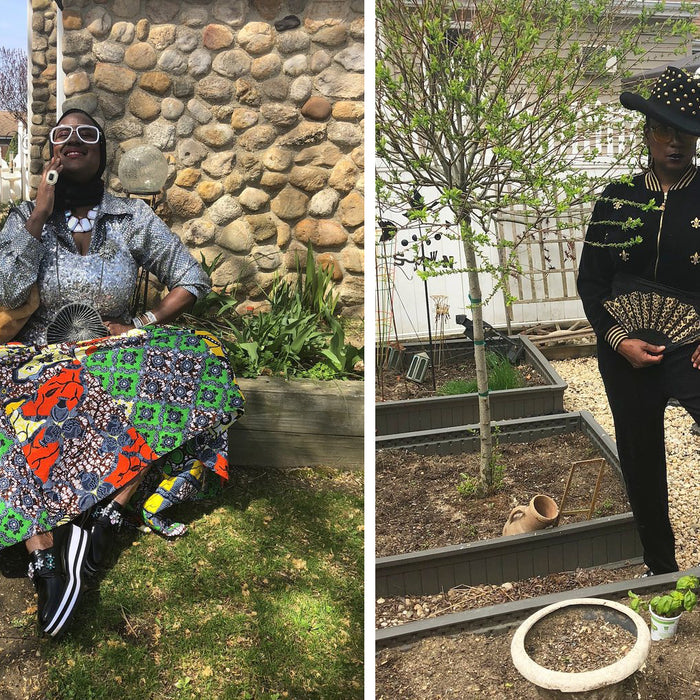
[{"x": 665, "y": 610}]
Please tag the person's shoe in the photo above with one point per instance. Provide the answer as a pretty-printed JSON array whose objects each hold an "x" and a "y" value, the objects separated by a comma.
[
  {"x": 646, "y": 574},
  {"x": 48, "y": 581},
  {"x": 163, "y": 526},
  {"x": 58, "y": 583},
  {"x": 102, "y": 525}
]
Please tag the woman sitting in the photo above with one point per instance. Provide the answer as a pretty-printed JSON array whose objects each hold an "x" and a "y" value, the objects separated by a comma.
[{"x": 89, "y": 404}]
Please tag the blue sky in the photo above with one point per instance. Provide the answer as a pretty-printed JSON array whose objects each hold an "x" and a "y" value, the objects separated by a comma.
[{"x": 13, "y": 24}]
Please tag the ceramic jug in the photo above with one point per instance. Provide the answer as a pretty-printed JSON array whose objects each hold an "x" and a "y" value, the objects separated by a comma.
[{"x": 542, "y": 511}]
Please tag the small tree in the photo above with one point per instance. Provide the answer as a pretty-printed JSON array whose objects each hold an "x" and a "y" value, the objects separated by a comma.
[
  {"x": 13, "y": 83},
  {"x": 489, "y": 104}
]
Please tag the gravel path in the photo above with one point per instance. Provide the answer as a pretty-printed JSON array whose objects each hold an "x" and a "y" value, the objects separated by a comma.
[{"x": 585, "y": 392}]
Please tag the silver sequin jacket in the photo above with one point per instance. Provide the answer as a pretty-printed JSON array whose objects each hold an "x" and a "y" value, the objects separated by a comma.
[{"x": 126, "y": 235}]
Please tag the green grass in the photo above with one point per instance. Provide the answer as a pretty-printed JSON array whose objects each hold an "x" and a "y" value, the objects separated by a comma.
[
  {"x": 262, "y": 600},
  {"x": 501, "y": 374}
]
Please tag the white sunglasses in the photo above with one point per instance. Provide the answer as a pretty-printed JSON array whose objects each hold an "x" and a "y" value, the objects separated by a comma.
[{"x": 86, "y": 133}]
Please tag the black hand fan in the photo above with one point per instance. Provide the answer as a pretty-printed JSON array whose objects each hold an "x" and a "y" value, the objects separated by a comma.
[
  {"x": 75, "y": 322},
  {"x": 654, "y": 313}
]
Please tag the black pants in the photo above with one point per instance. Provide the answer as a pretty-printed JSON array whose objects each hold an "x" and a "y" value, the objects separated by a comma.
[{"x": 638, "y": 398}]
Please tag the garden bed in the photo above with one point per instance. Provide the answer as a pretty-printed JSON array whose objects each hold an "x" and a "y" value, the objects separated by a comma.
[
  {"x": 300, "y": 422},
  {"x": 437, "y": 412},
  {"x": 468, "y": 655},
  {"x": 601, "y": 541}
]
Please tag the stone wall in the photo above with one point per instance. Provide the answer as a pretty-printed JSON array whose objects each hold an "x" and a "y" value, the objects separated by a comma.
[{"x": 262, "y": 122}]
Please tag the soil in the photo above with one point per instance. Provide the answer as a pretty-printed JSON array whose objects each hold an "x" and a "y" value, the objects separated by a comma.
[
  {"x": 418, "y": 506},
  {"x": 391, "y": 385},
  {"x": 22, "y": 670},
  {"x": 479, "y": 667},
  {"x": 575, "y": 640}
]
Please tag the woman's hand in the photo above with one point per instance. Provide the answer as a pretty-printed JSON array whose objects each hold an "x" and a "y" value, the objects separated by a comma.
[
  {"x": 695, "y": 358},
  {"x": 45, "y": 191},
  {"x": 641, "y": 354},
  {"x": 116, "y": 328},
  {"x": 43, "y": 205}
]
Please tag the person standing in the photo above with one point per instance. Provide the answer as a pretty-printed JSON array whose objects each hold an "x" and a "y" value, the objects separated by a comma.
[{"x": 643, "y": 368}]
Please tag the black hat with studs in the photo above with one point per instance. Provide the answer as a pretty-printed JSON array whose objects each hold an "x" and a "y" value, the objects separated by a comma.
[{"x": 674, "y": 100}]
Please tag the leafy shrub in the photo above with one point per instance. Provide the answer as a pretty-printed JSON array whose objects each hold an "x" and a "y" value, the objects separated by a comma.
[{"x": 300, "y": 331}]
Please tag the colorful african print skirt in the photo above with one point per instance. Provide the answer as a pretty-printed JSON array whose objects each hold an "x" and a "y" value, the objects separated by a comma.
[{"x": 81, "y": 420}]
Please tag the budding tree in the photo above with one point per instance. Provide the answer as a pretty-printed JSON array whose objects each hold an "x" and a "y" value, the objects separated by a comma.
[{"x": 490, "y": 104}]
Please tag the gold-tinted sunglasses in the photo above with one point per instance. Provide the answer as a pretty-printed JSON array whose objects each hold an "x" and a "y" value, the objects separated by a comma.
[{"x": 662, "y": 133}]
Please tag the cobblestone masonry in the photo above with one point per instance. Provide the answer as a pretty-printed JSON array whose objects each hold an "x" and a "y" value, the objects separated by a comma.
[{"x": 262, "y": 124}]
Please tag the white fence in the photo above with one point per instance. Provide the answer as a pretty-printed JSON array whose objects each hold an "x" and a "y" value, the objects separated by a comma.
[{"x": 14, "y": 176}]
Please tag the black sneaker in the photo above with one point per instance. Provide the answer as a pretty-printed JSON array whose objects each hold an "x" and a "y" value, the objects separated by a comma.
[
  {"x": 102, "y": 525},
  {"x": 48, "y": 581},
  {"x": 57, "y": 579}
]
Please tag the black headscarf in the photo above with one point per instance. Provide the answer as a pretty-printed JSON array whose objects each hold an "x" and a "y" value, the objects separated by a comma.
[{"x": 68, "y": 193}]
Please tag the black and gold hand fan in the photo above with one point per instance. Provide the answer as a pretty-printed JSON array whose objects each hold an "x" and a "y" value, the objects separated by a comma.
[{"x": 654, "y": 312}]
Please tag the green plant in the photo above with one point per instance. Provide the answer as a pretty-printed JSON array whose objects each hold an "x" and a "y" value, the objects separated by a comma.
[
  {"x": 297, "y": 336},
  {"x": 470, "y": 486},
  {"x": 501, "y": 375},
  {"x": 342, "y": 356},
  {"x": 682, "y": 598},
  {"x": 280, "y": 341}
]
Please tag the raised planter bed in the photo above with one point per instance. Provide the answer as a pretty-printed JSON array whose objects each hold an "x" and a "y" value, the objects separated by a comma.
[
  {"x": 300, "y": 423},
  {"x": 598, "y": 542},
  {"x": 499, "y": 617},
  {"x": 435, "y": 413}
]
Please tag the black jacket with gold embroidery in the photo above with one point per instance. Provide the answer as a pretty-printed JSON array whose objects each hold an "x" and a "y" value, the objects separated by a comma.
[{"x": 669, "y": 251}]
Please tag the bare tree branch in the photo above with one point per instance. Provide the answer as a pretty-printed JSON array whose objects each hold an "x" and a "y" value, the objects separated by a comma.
[{"x": 13, "y": 83}]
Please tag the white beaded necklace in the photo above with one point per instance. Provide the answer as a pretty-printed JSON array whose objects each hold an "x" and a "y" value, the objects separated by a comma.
[{"x": 83, "y": 225}]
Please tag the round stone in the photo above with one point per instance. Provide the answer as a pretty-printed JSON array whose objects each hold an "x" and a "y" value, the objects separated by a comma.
[
  {"x": 323, "y": 203},
  {"x": 232, "y": 64},
  {"x": 215, "y": 135},
  {"x": 256, "y": 38},
  {"x": 290, "y": 203},
  {"x": 199, "y": 63},
  {"x": 173, "y": 62},
  {"x": 140, "y": 56},
  {"x": 300, "y": 89},
  {"x": 296, "y": 65},
  {"x": 277, "y": 159},
  {"x": 225, "y": 210},
  {"x": 318, "y": 108},
  {"x": 352, "y": 209},
  {"x": 266, "y": 66},
  {"x": 184, "y": 203},
  {"x": 210, "y": 190},
  {"x": 172, "y": 108},
  {"x": 243, "y": 118},
  {"x": 216, "y": 37},
  {"x": 199, "y": 110},
  {"x": 253, "y": 199},
  {"x": 236, "y": 237}
]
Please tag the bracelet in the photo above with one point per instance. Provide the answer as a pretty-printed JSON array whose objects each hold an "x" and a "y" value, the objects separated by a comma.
[
  {"x": 150, "y": 318},
  {"x": 136, "y": 322}
]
